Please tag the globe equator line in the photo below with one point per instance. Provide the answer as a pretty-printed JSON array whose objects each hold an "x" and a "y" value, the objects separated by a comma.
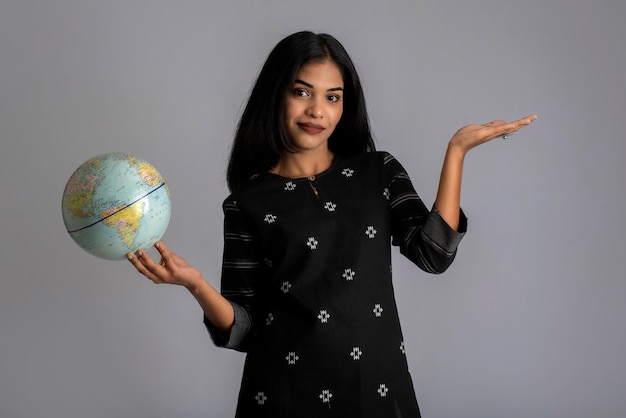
[{"x": 118, "y": 211}]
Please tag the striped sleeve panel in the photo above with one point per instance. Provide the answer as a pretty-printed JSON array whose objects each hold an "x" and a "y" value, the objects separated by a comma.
[
  {"x": 242, "y": 263},
  {"x": 421, "y": 234}
]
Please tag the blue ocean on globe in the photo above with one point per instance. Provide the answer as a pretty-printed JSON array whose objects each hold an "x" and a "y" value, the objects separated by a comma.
[{"x": 115, "y": 204}]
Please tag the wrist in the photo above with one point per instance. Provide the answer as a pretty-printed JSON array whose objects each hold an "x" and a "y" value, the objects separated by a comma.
[
  {"x": 455, "y": 151},
  {"x": 195, "y": 286}
]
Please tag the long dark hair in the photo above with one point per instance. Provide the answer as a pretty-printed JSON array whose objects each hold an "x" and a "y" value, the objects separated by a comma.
[{"x": 260, "y": 138}]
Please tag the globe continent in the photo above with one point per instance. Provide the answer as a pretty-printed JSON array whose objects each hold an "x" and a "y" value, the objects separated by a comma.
[{"x": 114, "y": 204}]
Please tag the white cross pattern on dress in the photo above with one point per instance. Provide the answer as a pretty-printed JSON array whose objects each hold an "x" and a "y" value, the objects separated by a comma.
[
  {"x": 370, "y": 232},
  {"x": 348, "y": 172},
  {"x": 386, "y": 193},
  {"x": 323, "y": 316},
  {"x": 378, "y": 310},
  {"x": 348, "y": 274},
  {"x": 312, "y": 243},
  {"x": 356, "y": 353},
  {"x": 292, "y": 357},
  {"x": 325, "y": 396},
  {"x": 285, "y": 287},
  {"x": 330, "y": 206},
  {"x": 290, "y": 185},
  {"x": 260, "y": 398},
  {"x": 382, "y": 390},
  {"x": 269, "y": 218}
]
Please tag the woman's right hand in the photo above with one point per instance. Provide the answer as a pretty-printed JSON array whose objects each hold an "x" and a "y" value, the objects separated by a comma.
[{"x": 172, "y": 268}]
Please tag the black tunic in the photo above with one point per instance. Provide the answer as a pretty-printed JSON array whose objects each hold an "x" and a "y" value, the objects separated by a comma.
[{"x": 307, "y": 267}]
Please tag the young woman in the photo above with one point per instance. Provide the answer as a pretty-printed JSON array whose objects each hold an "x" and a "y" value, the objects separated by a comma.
[{"x": 306, "y": 275}]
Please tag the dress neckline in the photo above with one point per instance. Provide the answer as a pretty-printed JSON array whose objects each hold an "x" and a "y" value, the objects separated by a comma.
[{"x": 333, "y": 164}]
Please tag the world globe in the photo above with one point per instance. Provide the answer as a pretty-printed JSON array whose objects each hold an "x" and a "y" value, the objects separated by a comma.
[{"x": 115, "y": 204}]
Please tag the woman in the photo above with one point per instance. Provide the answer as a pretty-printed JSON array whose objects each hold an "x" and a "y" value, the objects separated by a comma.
[{"x": 306, "y": 275}]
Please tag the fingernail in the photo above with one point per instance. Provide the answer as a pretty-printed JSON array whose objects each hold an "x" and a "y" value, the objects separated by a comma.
[
  {"x": 156, "y": 244},
  {"x": 129, "y": 256},
  {"x": 139, "y": 253}
]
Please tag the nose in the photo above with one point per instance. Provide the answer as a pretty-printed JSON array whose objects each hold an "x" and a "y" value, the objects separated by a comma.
[{"x": 314, "y": 110}]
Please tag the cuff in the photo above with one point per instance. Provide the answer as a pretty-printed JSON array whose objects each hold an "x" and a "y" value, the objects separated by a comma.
[
  {"x": 236, "y": 336},
  {"x": 440, "y": 233}
]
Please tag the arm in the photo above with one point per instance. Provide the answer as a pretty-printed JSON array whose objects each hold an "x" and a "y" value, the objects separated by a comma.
[
  {"x": 173, "y": 269},
  {"x": 227, "y": 314},
  {"x": 217, "y": 310},
  {"x": 449, "y": 192},
  {"x": 422, "y": 235}
]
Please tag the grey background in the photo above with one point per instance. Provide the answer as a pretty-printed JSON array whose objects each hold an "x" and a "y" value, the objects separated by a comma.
[{"x": 528, "y": 322}]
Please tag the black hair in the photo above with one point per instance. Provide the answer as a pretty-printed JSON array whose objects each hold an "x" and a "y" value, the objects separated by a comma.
[{"x": 260, "y": 138}]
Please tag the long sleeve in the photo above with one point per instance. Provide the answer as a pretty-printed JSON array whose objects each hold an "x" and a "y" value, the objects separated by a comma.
[
  {"x": 422, "y": 235},
  {"x": 242, "y": 271}
]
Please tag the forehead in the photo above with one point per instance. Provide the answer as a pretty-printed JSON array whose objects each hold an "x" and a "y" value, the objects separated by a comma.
[{"x": 321, "y": 74}]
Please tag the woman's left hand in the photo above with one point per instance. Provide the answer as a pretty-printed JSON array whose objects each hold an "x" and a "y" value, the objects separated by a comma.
[{"x": 471, "y": 136}]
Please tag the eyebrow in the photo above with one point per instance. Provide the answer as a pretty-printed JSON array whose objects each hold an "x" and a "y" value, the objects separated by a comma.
[{"x": 309, "y": 85}]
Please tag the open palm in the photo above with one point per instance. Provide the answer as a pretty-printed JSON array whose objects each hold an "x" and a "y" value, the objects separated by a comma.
[{"x": 471, "y": 136}]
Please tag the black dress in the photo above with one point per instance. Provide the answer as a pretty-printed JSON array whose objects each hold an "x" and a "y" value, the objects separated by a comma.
[{"x": 307, "y": 267}]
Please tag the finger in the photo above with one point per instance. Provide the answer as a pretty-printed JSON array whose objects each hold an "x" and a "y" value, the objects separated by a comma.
[
  {"x": 509, "y": 128},
  {"x": 139, "y": 265},
  {"x": 495, "y": 123},
  {"x": 163, "y": 250},
  {"x": 155, "y": 268},
  {"x": 167, "y": 256},
  {"x": 530, "y": 118},
  {"x": 520, "y": 123}
]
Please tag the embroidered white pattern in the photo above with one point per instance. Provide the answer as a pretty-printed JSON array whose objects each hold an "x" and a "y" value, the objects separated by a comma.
[
  {"x": 330, "y": 206},
  {"x": 312, "y": 243},
  {"x": 356, "y": 353},
  {"x": 386, "y": 193},
  {"x": 402, "y": 349},
  {"x": 260, "y": 398},
  {"x": 370, "y": 232},
  {"x": 382, "y": 390},
  {"x": 269, "y": 319},
  {"x": 348, "y": 274},
  {"x": 285, "y": 287},
  {"x": 290, "y": 185},
  {"x": 292, "y": 357},
  {"x": 269, "y": 218},
  {"x": 323, "y": 316},
  {"x": 254, "y": 176},
  {"x": 348, "y": 172},
  {"x": 325, "y": 396},
  {"x": 378, "y": 310}
]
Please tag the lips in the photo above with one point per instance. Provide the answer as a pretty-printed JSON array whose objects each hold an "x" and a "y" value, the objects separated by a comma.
[{"x": 311, "y": 128}]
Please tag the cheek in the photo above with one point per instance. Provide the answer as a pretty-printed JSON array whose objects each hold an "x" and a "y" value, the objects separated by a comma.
[
  {"x": 287, "y": 111},
  {"x": 338, "y": 115},
  {"x": 291, "y": 108},
  {"x": 295, "y": 112}
]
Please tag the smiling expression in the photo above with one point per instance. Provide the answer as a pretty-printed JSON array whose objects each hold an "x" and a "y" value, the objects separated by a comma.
[{"x": 314, "y": 106}]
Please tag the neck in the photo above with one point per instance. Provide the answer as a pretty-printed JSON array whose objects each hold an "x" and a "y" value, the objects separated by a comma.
[{"x": 299, "y": 165}]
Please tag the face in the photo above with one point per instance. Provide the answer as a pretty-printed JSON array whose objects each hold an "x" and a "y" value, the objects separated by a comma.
[{"x": 314, "y": 106}]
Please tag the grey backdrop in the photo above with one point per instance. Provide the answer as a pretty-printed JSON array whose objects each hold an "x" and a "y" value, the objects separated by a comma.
[{"x": 528, "y": 322}]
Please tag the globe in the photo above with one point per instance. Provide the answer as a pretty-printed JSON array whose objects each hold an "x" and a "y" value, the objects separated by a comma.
[{"x": 115, "y": 204}]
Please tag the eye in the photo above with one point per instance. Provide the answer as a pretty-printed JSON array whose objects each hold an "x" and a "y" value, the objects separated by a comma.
[
  {"x": 298, "y": 92},
  {"x": 333, "y": 98}
]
